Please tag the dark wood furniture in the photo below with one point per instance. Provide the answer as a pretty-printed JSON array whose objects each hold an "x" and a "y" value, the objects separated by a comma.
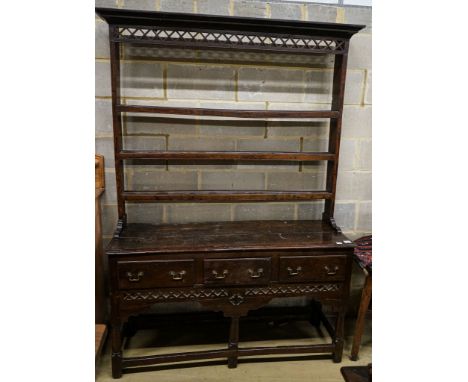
[
  {"x": 100, "y": 315},
  {"x": 363, "y": 257},
  {"x": 99, "y": 339},
  {"x": 357, "y": 373},
  {"x": 232, "y": 267}
]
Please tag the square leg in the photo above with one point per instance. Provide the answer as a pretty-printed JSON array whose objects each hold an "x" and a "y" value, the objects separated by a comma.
[
  {"x": 116, "y": 338},
  {"x": 233, "y": 342},
  {"x": 339, "y": 334}
]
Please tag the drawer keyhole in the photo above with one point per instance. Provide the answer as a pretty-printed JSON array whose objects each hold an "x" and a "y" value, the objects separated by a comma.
[
  {"x": 220, "y": 276},
  {"x": 294, "y": 272},
  {"x": 134, "y": 277},
  {"x": 177, "y": 275},
  {"x": 255, "y": 275},
  {"x": 331, "y": 272}
]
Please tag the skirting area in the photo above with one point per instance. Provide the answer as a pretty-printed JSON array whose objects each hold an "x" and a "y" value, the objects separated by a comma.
[{"x": 298, "y": 368}]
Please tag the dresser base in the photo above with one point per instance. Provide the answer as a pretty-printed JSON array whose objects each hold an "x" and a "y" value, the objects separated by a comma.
[{"x": 235, "y": 268}]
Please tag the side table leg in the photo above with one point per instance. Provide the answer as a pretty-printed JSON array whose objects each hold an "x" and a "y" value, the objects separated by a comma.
[
  {"x": 233, "y": 342},
  {"x": 339, "y": 334},
  {"x": 364, "y": 305},
  {"x": 116, "y": 338}
]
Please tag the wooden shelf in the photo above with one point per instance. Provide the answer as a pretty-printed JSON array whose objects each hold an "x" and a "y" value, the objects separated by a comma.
[
  {"x": 228, "y": 155},
  {"x": 223, "y": 196},
  {"x": 229, "y": 112},
  {"x": 198, "y": 31}
]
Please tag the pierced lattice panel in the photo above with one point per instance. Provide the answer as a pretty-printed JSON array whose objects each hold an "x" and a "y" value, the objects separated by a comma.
[{"x": 224, "y": 39}]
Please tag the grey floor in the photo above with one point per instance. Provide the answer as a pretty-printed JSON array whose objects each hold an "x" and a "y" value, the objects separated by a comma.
[{"x": 202, "y": 337}]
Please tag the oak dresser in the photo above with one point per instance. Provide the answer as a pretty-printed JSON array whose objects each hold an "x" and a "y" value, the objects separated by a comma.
[{"x": 230, "y": 267}]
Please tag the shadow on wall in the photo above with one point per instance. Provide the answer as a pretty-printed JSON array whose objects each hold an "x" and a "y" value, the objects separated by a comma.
[{"x": 142, "y": 52}]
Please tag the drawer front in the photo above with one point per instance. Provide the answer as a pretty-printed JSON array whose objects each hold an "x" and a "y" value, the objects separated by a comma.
[
  {"x": 157, "y": 273},
  {"x": 312, "y": 268},
  {"x": 237, "y": 271}
]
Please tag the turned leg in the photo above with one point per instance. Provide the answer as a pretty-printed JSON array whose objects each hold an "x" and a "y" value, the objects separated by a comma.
[
  {"x": 233, "y": 342},
  {"x": 116, "y": 338},
  {"x": 339, "y": 333},
  {"x": 363, "y": 307}
]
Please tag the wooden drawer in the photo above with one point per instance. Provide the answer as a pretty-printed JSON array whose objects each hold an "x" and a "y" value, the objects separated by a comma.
[
  {"x": 156, "y": 273},
  {"x": 237, "y": 271},
  {"x": 312, "y": 268}
]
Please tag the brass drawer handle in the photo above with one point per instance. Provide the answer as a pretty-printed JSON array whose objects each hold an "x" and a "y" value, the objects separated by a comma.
[
  {"x": 331, "y": 272},
  {"x": 294, "y": 273},
  {"x": 177, "y": 275},
  {"x": 134, "y": 277},
  {"x": 255, "y": 275},
  {"x": 218, "y": 276}
]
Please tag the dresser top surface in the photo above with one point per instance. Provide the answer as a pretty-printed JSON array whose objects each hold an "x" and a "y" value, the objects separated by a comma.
[{"x": 228, "y": 236}]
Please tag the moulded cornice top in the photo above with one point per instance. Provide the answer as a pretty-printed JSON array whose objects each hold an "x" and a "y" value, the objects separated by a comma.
[{"x": 124, "y": 17}]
